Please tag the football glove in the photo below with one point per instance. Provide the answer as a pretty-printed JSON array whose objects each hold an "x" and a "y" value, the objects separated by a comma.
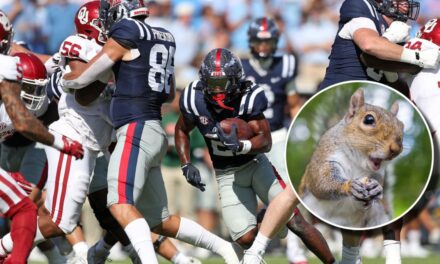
[
  {"x": 10, "y": 68},
  {"x": 192, "y": 175},
  {"x": 68, "y": 146},
  {"x": 397, "y": 32},
  {"x": 230, "y": 140}
]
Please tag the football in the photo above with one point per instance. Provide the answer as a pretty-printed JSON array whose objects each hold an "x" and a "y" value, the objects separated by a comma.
[{"x": 244, "y": 131}]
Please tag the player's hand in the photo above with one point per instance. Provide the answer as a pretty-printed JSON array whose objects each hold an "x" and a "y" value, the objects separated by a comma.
[
  {"x": 397, "y": 32},
  {"x": 10, "y": 68},
  {"x": 428, "y": 58},
  {"x": 230, "y": 140},
  {"x": 22, "y": 182},
  {"x": 192, "y": 175},
  {"x": 68, "y": 146}
]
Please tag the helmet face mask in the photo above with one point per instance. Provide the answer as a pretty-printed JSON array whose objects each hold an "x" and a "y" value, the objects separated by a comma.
[
  {"x": 111, "y": 11},
  {"x": 33, "y": 88},
  {"x": 6, "y": 33},
  {"x": 221, "y": 74},
  {"x": 263, "y": 35},
  {"x": 34, "y": 96},
  {"x": 400, "y": 10}
]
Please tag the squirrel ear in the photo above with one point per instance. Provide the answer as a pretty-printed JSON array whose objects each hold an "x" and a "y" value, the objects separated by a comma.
[
  {"x": 356, "y": 102},
  {"x": 395, "y": 108}
]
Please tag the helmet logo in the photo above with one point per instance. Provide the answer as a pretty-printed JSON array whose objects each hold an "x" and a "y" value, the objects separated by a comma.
[
  {"x": 430, "y": 25},
  {"x": 83, "y": 15}
]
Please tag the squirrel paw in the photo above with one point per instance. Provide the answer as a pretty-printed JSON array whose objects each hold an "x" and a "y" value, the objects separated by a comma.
[{"x": 366, "y": 190}]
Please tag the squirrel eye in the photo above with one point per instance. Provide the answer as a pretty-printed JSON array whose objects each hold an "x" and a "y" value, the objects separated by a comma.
[{"x": 369, "y": 120}]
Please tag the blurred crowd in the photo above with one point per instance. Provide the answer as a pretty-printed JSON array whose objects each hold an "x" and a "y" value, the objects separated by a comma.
[{"x": 308, "y": 29}]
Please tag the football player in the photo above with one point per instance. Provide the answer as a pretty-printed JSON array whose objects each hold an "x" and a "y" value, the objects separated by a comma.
[
  {"x": 275, "y": 74},
  {"x": 242, "y": 170},
  {"x": 17, "y": 118},
  {"x": 142, "y": 86},
  {"x": 373, "y": 27}
]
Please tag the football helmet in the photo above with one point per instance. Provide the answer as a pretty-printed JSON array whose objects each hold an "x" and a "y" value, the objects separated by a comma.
[
  {"x": 263, "y": 30},
  {"x": 88, "y": 24},
  {"x": 400, "y": 10},
  {"x": 33, "y": 87},
  {"x": 6, "y": 33},
  {"x": 221, "y": 74},
  {"x": 111, "y": 11},
  {"x": 431, "y": 31}
]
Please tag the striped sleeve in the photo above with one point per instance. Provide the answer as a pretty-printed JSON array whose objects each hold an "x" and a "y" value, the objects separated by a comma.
[
  {"x": 54, "y": 91},
  {"x": 188, "y": 101},
  {"x": 289, "y": 66},
  {"x": 253, "y": 103}
]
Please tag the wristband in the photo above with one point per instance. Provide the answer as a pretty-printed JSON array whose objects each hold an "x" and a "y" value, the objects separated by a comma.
[
  {"x": 247, "y": 146},
  {"x": 58, "y": 141}
]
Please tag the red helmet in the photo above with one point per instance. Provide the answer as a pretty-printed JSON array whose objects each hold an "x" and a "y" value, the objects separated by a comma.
[
  {"x": 33, "y": 88},
  {"x": 6, "y": 33},
  {"x": 87, "y": 22},
  {"x": 431, "y": 31}
]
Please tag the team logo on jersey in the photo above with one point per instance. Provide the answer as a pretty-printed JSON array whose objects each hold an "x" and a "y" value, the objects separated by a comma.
[
  {"x": 83, "y": 15},
  {"x": 204, "y": 120}
]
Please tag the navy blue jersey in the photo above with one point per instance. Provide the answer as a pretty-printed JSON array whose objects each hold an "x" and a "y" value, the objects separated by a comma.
[
  {"x": 344, "y": 58},
  {"x": 194, "y": 107},
  {"x": 53, "y": 89},
  {"x": 275, "y": 82},
  {"x": 142, "y": 84}
]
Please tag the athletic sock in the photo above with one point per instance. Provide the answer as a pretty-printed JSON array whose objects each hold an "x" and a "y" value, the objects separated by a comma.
[
  {"x": 392, "y": 251},
  {"x": 194, "y": 234},
  {"x": 260, "y": 244},
  {"x": 81, "y": 249},
  {"x": 139, "y": 234},
  {"x": 349, "y": 254}
]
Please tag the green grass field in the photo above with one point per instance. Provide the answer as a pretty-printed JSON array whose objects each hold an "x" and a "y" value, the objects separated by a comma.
[{"x": 434, "y": 259}]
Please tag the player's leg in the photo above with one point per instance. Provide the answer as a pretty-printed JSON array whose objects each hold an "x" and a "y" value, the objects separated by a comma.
[
  {"x": 15, "y": 204},
  {"x": 296, "y": 253},
  {"x": 278, "y": 212},
  {"x": 351, "y": 241},
  {"x": 126, "y": 177},
  {"x": 181, "y": 228},
  {"x": 268, "y": 190}
]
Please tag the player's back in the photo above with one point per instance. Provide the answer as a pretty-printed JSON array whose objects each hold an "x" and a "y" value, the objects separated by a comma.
[
  {"x": 274, "y": 81},
  {"x": 143, "y": 81},
  {"x": 344, "y": 58}
]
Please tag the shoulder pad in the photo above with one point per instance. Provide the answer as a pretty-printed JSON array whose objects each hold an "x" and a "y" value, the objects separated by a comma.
[
  {"x": 188, "y": 98},
  {"x": 357, "y": 8},
  {"x": 77, "y": 47},
  {"x": 253, "y": 102},
  {"x": 289, "y": 66},
  {"x": 130, "y": 29}
]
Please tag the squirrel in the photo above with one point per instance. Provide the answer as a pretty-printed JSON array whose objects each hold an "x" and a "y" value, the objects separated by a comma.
[{"x": 343, "y": 181}]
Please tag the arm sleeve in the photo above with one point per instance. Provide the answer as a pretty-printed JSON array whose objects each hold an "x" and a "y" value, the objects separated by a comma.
[{"x": 257, "y": 103}]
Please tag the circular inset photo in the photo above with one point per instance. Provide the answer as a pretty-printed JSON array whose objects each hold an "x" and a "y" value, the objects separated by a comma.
[{"x": 359, "y": 155}]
